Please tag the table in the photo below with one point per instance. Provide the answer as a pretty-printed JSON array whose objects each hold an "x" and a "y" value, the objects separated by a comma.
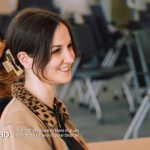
[{"x": 130, "y": 144}]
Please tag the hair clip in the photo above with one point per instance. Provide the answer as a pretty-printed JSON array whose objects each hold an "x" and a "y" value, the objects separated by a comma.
[{"x": 10, "y": 64}]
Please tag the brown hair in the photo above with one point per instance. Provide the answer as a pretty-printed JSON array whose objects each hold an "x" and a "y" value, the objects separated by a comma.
[
  {"x": 6, "y": 79},
  {"x": 32, "y": 31}
]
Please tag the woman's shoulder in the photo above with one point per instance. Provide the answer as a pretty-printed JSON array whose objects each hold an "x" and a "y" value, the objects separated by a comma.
[
  {"x": 17, "y": 113},
  {"x": 18, "y": 121},
  {"x": 13, "y": 109}
]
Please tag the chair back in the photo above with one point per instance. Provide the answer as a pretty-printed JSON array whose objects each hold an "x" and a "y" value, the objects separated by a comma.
[
  {"x": 142, "y": 39},
  {"x": 85, "y": 41},
  {"x": 91, "y": 21},
  {"x": 98, "y": 13},
  {"x": 46, "y": 4}
]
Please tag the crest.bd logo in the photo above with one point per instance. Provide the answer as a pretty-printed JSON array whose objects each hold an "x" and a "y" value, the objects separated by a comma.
[{"x": 4, "y": 134}]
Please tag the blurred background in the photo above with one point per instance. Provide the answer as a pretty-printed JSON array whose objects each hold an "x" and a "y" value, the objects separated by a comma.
[{"x": 108, "y": 97}]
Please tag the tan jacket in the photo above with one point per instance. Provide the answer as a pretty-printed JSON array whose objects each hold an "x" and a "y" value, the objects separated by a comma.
[{"x": 20, "y": 129}]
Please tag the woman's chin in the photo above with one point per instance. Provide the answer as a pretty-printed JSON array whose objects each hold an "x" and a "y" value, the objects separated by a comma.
[{"x": 68, "y": 79}]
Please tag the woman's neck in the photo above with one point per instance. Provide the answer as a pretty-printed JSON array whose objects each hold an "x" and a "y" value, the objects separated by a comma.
[{"x": 42, "y": 90}]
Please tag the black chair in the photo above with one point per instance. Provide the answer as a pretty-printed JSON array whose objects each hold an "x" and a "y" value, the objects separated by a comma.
[
  {"x": 91, "y": 21},
  {"x": 84, "y": 34},
  {"x": 97, "y": 35},
  {"x": 45, "y": 4},
  {"x": 98, "y": 14},
  {"x": 139, "y": 54},
  {"x": 98, "y": 72},
  {"x": 148, "y": 6},
  {"x": 144, "y": 18}
]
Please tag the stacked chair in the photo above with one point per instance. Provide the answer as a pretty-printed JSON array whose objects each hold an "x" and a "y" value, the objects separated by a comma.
[
  {"x": 139, "y": 60},
  {"x": 144, "y": 18},
  {"x": 99, "y": 16},
  {"x": 46, "y": 4},
  {"x": 99, "y": 72}
]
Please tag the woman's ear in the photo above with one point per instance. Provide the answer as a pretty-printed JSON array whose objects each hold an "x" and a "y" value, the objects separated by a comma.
[{"x": 25, "y": 60}]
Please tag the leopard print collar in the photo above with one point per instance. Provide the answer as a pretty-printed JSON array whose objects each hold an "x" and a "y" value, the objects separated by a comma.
[{"x": 44, "y": 112}]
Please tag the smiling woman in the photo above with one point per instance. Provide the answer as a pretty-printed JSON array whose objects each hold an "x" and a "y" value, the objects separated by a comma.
[
  {"x": 40, "y": 48},
  {"x": 62, "y": 57}
]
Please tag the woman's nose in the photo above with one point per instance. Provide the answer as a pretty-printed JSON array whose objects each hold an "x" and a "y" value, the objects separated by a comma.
[{"x": 69, "y": 56}]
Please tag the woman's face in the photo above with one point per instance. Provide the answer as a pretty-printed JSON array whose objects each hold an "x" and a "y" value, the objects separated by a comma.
[{"x": 58, "y": 69}]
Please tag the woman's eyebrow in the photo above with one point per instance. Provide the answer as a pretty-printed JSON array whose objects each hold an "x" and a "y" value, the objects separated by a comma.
[
  {"x": 70, "y": 41},
  {"x": 56, "y": 46},
  {"x": 60, "y": 45}
]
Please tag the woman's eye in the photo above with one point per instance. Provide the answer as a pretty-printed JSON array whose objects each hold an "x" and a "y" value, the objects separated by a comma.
[
  {"x": 56, "y": 51},
  {"x": 70, "y": 45}
]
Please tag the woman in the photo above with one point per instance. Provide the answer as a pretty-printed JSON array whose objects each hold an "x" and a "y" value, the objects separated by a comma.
[{"x": 41, "y": 49}]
